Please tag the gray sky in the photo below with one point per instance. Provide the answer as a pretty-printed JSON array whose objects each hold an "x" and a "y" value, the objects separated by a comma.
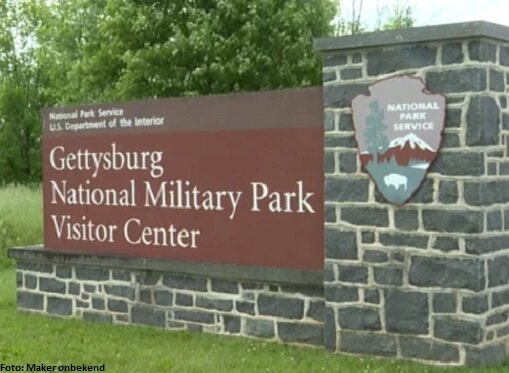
[{"x": 433, "y": 12}]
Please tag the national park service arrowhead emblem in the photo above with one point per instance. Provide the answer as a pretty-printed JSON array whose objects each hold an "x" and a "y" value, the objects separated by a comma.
[{"x": 398, "y": 128}]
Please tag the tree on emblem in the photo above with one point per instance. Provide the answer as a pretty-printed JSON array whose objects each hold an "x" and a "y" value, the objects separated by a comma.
[{"x": 374, "y": 132}]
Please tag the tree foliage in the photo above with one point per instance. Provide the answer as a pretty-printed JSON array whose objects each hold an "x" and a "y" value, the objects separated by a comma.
[{"x": 118, "y": 49}]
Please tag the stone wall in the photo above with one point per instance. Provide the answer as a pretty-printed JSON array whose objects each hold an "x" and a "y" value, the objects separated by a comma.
[
  {"x": 428, "y": 280},
  {"x": 65, "y": 286}
]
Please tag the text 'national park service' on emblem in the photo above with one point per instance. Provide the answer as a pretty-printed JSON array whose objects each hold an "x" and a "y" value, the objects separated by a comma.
[{"x": 398, "y": 128}]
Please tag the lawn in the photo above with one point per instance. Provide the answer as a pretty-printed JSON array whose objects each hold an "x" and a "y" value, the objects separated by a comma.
[{"x": 35, "y": 339}]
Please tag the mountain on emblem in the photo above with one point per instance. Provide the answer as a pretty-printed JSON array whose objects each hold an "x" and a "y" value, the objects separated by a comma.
[{"x": 398, "y": 131}]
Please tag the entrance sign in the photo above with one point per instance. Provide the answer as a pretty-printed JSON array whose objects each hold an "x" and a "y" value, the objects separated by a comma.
[
  {"x": 398, "y": 128},
  {"x": 233, "y": 179}
]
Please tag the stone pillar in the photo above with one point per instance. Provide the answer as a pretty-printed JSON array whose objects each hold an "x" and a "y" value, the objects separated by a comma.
[{"x": 427, "y": 281}]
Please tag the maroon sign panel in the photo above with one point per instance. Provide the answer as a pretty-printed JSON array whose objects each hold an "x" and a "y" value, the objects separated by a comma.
[{"x": 233, "y": 179}]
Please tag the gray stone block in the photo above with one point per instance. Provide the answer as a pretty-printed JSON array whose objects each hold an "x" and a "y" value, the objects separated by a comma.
[
  {"x": 406, "y": 312},
  {"x": 231, "y": 324},
  {"x": 357, "y": 58},
  {"x": 368, "y": 344},
  {"x": 453, "y": 118},
  {"x": 329, "y": 121},
  {"x": 351, "y": 73},
  {"x": 89, "y": 288},
  {"x": 316, "y": 310},
  {"x": 340, "y": 294},
  {"x": 472, "y": 79},
  {"x": 225, "y": 286},
  {"x": 397, "y": 239},
  {"x": 51, "y": 285},
  {"x": 450, "y": 140},
  {"x": 148, "y": 316},
  {"x": 328, "y": 76},
  {"x": 183, "y": 300},
  {"x": 444, "y": 303},
  {"x": 375, "y": 256},
  {"x": 419, "y": 348},
  {"x": 504, "y": 55},
  {"x": 347, "y": 163},
  {"x": 475, "y": 304},
  {"x": 310, "y": 334},
  {"x": 30, "y": 281},
  {"x": 340, "y": 244},
  {"x": 482, "y": 51},
  {"x": 30, "y": 301},
  {"x": 329, "y": 333},
  {"x": 97, "y": 317},
  {"x": 459, "y": 164},
  {"x": 494, "y": 221},
  {"x": 483, "y": 121},
  {"x": 346, "y": 189},
  {"x": 34, "y": 266},
  {"x": 452, "y": 53},
  {"x": 461, "y": 221},
  {"x": 115, "y": 305},
  {"x": 406, "y": 220},
  {"x": 368, "y": 237},
  {"x": 329, "y": 274},
  {"x": 497, "y": 80},
  {"x": 505, "y": 121},
  {"x": 388, "y": 276},
  {"x": 259, "y": 328},
  {"x": 340, "y": 141},
  {"x": 334, "y": 59},
  {"x": 355, "y": 274},
  {"x": 146, "y": 296},
  {"x": 497, "y": 318},
  {"x": 489, "y": 355},
  {"x": 498, "y": 271},
  {"x": 369, "y": 216},
  {"x": 502, "y": 100},
  {"x": 486, "y": 193},
  {"x": 59, "y": 306},
  {"x": 447, "y": 273},
  {"x": 359, "y": 318},
  {"x": 74, "y": 288},
  {"x": 372, "y": 296},
  {"x": 201, "y": 317},
  {"x": 345, "y": 122},
  {"x": 457, "y": 330},
  {"x": 383, "y": 61},
  {"x": 214, "y": 304},
  {"x": 120, "y": 291},
  {"x": 245, "y": 307},
  {"x": 148, "y": 278},
  {"x": 185, "y": 282},
  {"x": 448, "y": 192},
  {"x": 486, "y": 244},
  {"x": 120, "y": 275},
  {"x": 341, "y": 96},
  {"x": 98, "y": 304},
  {"x": 500, "y": 298},
  {"x": 63, "y": 271},
  {"x": 163, "y": 298},
  {"x": 291, "y": 308},
  {"x": 330, "y": 214},
  {"x": 19, "y": 279},
  {"x": 329, "y": 162},
  {"x": 92, "y": 273}
]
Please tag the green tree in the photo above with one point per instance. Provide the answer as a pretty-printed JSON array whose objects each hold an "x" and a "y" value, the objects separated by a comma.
[
  {"x": 374, "y": 131},
  {"x": 103, "y": 50},
  {"x": 20, "y": 98},
  {"x": 401, "y": 16}
]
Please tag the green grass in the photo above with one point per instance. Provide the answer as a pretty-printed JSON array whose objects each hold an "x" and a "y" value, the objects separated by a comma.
[
  {"x": 20, "y": 218},
  {"x": 27, "y": 338}
]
